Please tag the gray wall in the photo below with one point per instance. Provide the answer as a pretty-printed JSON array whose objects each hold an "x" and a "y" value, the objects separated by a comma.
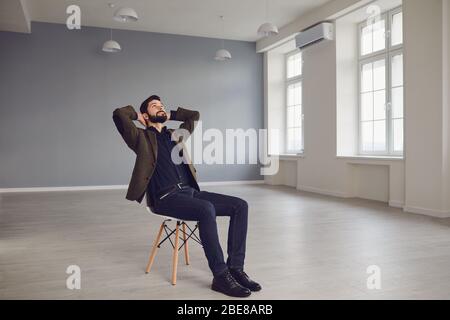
[{"x": 58, "y": 91}]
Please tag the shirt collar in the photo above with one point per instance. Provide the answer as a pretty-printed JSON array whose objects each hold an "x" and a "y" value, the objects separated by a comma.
[{"x": 163, "y": 129}]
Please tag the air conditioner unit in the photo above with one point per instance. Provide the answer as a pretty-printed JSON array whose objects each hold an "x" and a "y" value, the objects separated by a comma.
[{"x": 314, "y": 34}]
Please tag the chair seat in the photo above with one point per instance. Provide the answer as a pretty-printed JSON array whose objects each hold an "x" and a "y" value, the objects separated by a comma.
[{"x": 165, "y": 216}]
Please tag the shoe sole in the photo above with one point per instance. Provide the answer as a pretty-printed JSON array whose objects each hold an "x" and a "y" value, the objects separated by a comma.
[{"x": 213, "y": 287}]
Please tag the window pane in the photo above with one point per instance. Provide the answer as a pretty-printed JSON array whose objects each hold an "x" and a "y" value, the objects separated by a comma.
[
  {"x": 291, "y": 95},
  {"x": 379, "y": 40},
  {"x": 290, "y": 117},
  {"x": 290, "y": 139},
  {"x": 397, "y": 29},
  {"x": 298, "y": 64},
  {"x": 367, "y": 136},
  {"x": 297, "y": 116},
  {"x": 293, "y": 121},
  {"x": 397, "y": 126},
  {"x": 297, "y": 94},
  {"x": 294, "y": 65},
  {"x": 397, "y": 70},
  {"x": 379, "y": 103},
  {"x": 366, "y": 40},
  {"x": 397, "y": 102},
  {"x": 367, "y": 78},
  {"x": 290, "y": 67},
  {"x": 298, "y": 139},
  {"x": 379, "y": 138},
  {"x": 367, "y": 106},
  {"x": 379, "y": 75}
]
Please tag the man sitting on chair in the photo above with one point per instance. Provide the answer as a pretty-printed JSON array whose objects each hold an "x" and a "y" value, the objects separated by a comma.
[{"x": 172, "y": 190}]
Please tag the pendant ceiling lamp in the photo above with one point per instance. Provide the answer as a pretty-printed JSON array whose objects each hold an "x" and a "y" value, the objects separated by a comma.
[
  {"x": 267, "y": 29},
  {"x": 222, "y": 54},
  {"x": 126, "y": 15},
  {"x": 111, "y": 46}
]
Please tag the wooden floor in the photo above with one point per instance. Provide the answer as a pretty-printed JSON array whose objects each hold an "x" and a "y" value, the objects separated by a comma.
[{"x": 300, "y": 246}]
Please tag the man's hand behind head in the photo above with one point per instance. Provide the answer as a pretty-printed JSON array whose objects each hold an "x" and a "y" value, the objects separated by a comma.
[{"x": 141, "y": 119}]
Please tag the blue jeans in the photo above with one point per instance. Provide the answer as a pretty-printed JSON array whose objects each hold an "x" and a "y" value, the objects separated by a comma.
[{"x": 203, "y": 206}]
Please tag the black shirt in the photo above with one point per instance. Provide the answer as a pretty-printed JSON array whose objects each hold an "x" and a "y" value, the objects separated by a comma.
[{"x": 166, "y": 172}]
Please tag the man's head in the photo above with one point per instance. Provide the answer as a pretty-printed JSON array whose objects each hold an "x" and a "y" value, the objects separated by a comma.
[{"x": 153, "y": 110}]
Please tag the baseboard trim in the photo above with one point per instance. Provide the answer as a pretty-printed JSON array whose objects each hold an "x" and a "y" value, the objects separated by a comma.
[
  {"x": 52, "y": 189},
  {"x": 396, "y": 204},
  {"x": 323, "y": 191},
  {"x": 118, "y": 187},
  {"x": 427, "y": 212}
]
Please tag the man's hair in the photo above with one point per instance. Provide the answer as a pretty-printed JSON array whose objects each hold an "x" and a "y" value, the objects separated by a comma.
[{"x": 144, "y": 105}]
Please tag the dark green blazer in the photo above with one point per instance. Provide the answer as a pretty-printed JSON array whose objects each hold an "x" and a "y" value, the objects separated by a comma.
[{"x": 144, "y": 144}]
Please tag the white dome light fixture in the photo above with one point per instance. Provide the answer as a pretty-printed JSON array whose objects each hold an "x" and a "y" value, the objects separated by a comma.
[
  {"x": 222, "y": 54},
  {"x": 267, "y": 29},
  {"x": 126, "y": 15},
  {"x": 111, "y": 46}
]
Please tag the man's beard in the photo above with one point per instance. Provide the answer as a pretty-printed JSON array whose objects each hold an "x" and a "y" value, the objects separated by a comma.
[{"x": 160, "y": 117}]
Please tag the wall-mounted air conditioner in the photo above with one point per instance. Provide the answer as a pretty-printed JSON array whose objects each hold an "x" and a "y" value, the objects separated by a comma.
[{"x": 314, "y": 34}]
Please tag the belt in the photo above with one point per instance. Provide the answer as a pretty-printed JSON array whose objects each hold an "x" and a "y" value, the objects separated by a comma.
[{"x": 166, "y": 191}]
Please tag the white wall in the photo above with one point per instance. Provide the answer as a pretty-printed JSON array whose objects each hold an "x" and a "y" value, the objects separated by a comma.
[
  {"x": 446, "y": 103},
  {"x": 319, "y": 169},
  {"x": 275, "y": 97},
  {"x": 446, "y": 86},
  {"x": 347, "y": 87},
  {"x": 423, "y": 61}
]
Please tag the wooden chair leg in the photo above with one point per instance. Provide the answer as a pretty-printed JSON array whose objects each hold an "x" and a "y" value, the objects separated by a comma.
[
  {"x": 154, "y": 248},
  {"x": 175, "y": 254},
  {"x": 186, "y": 248}
]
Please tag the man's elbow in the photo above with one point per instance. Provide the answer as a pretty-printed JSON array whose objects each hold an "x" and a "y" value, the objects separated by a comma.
[
  {"x": 196, "y": 116},
  {"x": 116, "y": 117},
  {"x": 116, "y": 112}
]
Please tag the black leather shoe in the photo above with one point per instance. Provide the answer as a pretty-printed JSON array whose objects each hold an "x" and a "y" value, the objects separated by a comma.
[
  {"x": 244, "y": 280},
  {"x": 225, "y": 283}
]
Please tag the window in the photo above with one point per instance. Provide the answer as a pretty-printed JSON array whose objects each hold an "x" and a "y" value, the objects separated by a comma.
[
  {"x": 381, "y": 85},
  {"x": 294, "y": 112}
]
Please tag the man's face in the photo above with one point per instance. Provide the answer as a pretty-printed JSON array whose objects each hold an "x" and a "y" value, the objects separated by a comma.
[
  {"x": 156, "y": 112},
  {"x": 155, "y": 108}
]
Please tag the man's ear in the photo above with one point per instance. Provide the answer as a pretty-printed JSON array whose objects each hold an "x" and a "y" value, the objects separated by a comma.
[{"x": 145, "y": 115}]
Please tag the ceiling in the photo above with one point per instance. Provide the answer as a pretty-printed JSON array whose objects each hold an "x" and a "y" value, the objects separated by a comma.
[{"x": 187, "y": 17}]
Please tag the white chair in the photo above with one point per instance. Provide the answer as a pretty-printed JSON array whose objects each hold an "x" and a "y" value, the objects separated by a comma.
[{"x": 175, "y": 244}]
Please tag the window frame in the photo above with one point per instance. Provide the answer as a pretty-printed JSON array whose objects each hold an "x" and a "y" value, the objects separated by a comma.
[
  {"x": 392, "y": 13},
  {"x": 288, "y": 82},
  {"x": 387, "y": 53},
  {"x": 361, "y": 25},
  {"x": 361, "y": 63}
]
